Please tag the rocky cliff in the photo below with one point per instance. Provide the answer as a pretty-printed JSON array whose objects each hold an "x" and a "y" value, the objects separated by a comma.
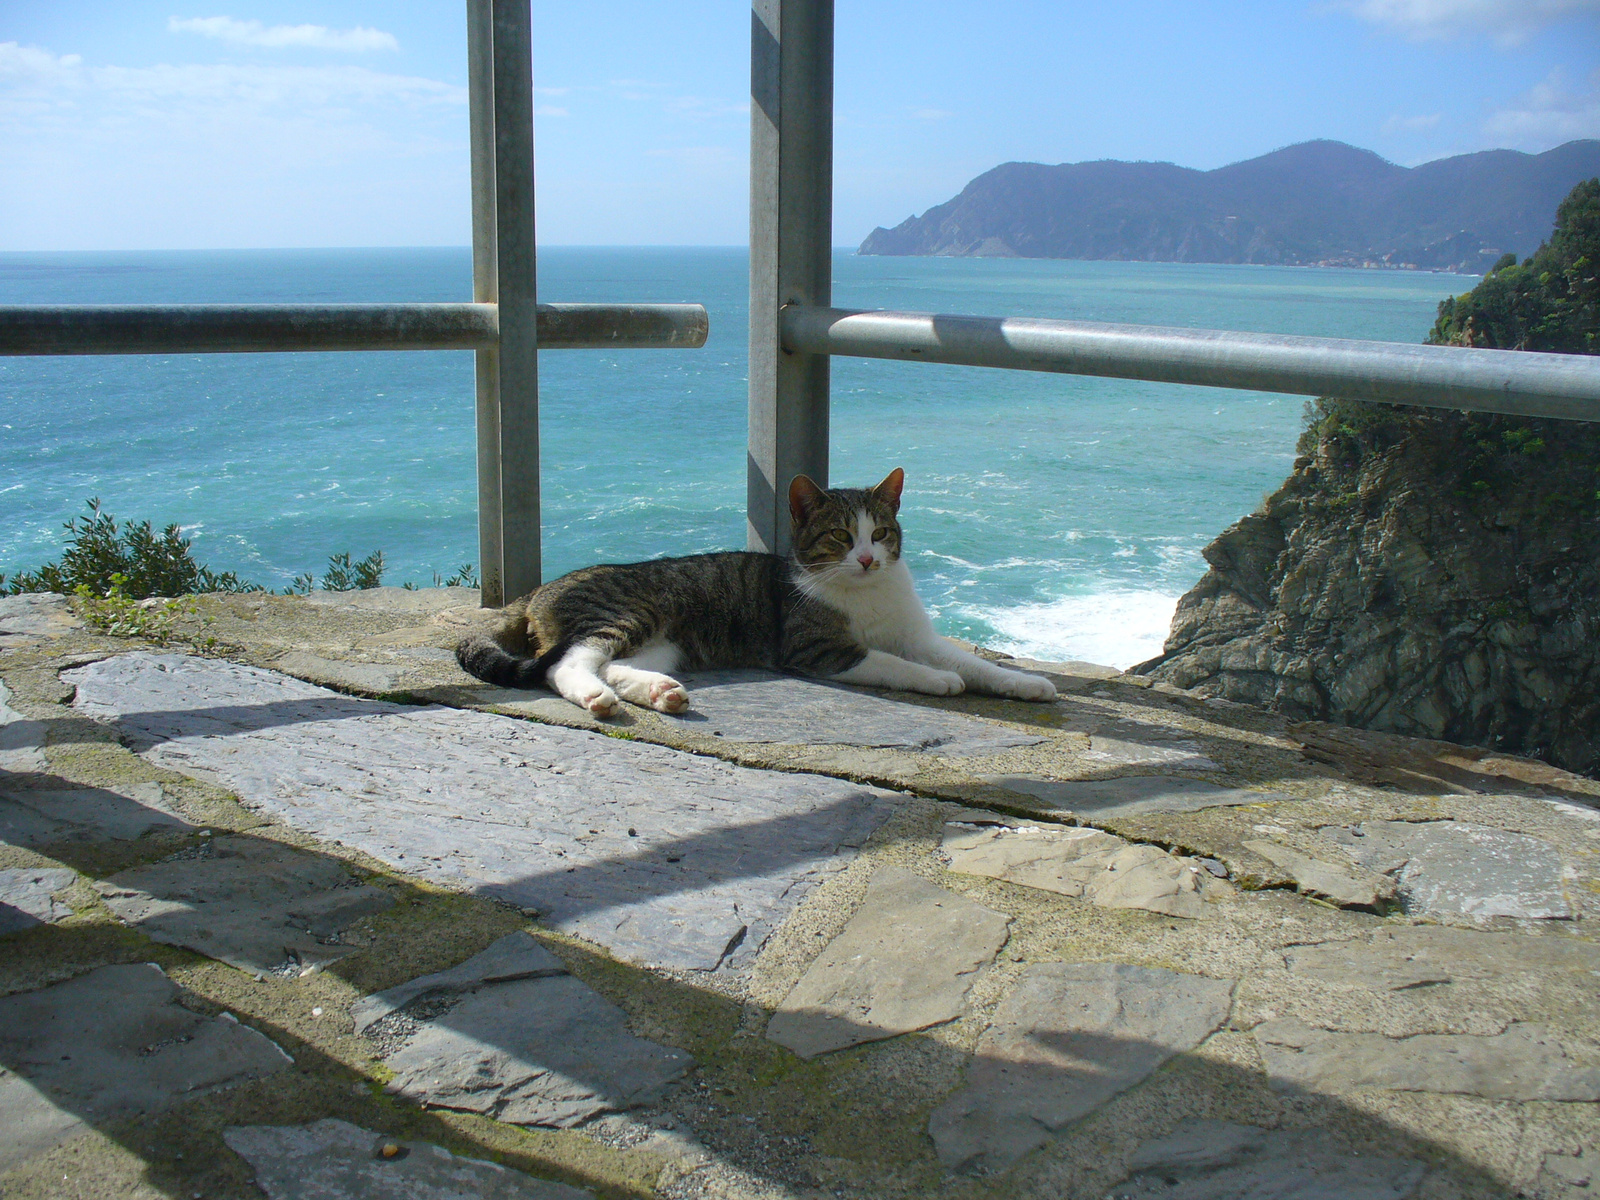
[
  {"x": 1319, "y": 202},
  {"x": 1428, "y": 572}
]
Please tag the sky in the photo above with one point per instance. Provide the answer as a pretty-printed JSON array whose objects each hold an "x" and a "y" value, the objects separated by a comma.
[{"x": 189, "y": 124}]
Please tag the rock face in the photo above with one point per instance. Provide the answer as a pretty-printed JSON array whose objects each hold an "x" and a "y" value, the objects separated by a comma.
[{"x": 1382, "y": 587}]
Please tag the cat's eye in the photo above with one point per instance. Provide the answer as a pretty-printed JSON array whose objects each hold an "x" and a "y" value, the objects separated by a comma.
[
  {"x": 843, "y": 535},
  {"x": 881, "y": 533}
]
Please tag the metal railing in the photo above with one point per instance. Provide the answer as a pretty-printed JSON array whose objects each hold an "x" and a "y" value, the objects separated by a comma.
[{"x": 794, "y": 330}]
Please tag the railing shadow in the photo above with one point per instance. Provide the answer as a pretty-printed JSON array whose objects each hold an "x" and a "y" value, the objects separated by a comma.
[{"x": 756, "y": 1107}]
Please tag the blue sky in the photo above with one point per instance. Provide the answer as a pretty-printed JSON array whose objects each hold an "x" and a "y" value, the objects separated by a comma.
[{"x": 126, "y": 124}]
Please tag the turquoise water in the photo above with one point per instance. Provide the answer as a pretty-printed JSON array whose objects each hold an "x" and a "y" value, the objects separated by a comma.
[{"x": 1055, "y": 515}]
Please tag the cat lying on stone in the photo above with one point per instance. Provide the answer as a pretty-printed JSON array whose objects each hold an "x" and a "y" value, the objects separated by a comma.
[{"x": 841, "y": 608}]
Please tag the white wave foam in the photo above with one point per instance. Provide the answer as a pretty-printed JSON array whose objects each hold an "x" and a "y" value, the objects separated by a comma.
[{"x": 1114, "y": 628}]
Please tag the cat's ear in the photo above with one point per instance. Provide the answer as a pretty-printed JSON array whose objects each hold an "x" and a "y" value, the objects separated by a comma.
[
  {"x": 804, "y": 496},
  {"x": 889, "y": 490}
]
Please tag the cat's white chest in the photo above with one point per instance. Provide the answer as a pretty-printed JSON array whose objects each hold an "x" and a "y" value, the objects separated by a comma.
[{"x": 885, "y": 614}]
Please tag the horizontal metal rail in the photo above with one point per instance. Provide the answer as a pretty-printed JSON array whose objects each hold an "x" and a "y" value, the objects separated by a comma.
[
  {"x": 260, "y": 328},
  {"x": 1502, "y": 381}
]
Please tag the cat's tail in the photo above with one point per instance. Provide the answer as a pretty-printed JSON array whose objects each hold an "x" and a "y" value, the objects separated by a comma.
[{"x": 505, "y": 658}]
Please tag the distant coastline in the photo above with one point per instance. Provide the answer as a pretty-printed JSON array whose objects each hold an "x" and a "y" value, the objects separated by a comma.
[{"x": 1317, "y": 204}]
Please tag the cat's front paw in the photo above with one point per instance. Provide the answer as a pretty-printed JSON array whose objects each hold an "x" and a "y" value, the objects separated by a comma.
[
  {"x": 1027, "y": 687},
  {"x": 603, "y": 703},
  {"x": 945, "y": 683},
  {"x": 668, "y": 696}
]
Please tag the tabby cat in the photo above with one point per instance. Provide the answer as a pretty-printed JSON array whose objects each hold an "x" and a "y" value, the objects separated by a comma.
[{"x": 842, "y": 608}]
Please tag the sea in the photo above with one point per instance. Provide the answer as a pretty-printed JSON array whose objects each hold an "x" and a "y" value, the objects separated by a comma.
[{"x": 1054, "y": 516}]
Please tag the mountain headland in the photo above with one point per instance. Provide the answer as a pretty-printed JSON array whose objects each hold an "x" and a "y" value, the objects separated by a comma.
[{"x": 1320, "y": 203}]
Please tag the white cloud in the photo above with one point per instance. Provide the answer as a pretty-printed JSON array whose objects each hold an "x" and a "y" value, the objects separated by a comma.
[
  {"x": 276, "y": 37},
  {"x": 1402, "y": 125},
  {"x": 1550, "y": 113},
  {"x": 931, "y": 114},
  {"x": 1509, "y": 21}
]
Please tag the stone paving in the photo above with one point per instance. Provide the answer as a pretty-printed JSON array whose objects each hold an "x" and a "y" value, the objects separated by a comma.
[{"x": 312, "y": 914}]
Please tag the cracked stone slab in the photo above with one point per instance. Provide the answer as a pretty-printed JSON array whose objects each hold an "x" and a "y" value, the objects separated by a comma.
[
  {"x": 21, "y": 739},
  {"x": 515, "y": 956},
  {"x": 110, "y": 1045},
  {"x": 35, "y": 615},
  {"x": 1457, "y": 868},
  {"x": 1070, "y": 1037},
  {"x": 1526, "y": 1062},
  {"x": 905, "y": 961},
  {"x": 534, "y": 1051},
  {"x": 1129, "y": 743},
  {"x": 359, "y": 677},
  {"x": 663, "y": 857},
  {"x": 335, "y": 1160},
  {"x": 1221, "y": 1160},
  {"x": 763, "y": 706},
  {"x": 27, "y": 897},
  {"x": 1424, "y": 955},
  {"x": 1343, "y": 883},
  {"x": 41, "y": 817},
  {"x": 1130, "y": 796},
  {"x": 1077, "y": 861},
  {"x": 254, "y": 904}
]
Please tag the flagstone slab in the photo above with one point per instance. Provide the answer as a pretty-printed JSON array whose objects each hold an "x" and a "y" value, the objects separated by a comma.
[
  {"x": 515, "y": 956},
  {"x": 763, "y": 706},
  {"x": 1069, "y": 1038},
  {"x": 1458, "y": 868},
  {"x": 35, "y": 615},
  {"x": 111, "y": 1045},
  {"x": 1222, "y": 1160},
  {"x": 254, "y": 904},
  {"x": 1130, "y": 796},
  {"x": 27, "y": 897},
  {"x": 44, "y": 816},
  {"x": 21, "y": 739},
  {"x": 1129, "y": 743},
  {"x": 664, "y": 857},
  {"x": 1078, "y": 861},
  {"x": 1342, "y": 883},
  {"x": 335, "y": 1160},
  {"x": 1526, "y": 1062},
  {"x": 1411, "y": 956},
  {"x": 905, "y": 961},
  {"x": 546, "y": 1051}
]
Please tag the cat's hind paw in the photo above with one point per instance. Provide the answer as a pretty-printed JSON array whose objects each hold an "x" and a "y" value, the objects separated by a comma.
[{"x": 668, "y": 696}]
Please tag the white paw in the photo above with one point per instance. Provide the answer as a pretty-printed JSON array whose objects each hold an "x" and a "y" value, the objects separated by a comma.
[
  {"x": 946, "y": 683},
  {"x": 668, "y": 696},
  {"x": 1028, "y": 687},
  {"x": 603, "y": 703}
]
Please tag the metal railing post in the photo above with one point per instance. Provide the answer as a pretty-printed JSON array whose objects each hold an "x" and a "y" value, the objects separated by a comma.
[
  {"x": 480, "y": 93},
  {"x": 791, "y": 244}
]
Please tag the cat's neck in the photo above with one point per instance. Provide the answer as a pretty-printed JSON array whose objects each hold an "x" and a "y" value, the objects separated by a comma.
[{"x": 883, "y": 608}]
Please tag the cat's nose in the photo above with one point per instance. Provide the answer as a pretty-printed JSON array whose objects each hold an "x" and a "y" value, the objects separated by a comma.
[{"x": 865, "y": 560}]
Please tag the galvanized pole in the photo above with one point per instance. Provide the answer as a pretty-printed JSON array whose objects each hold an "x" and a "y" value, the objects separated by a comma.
[
  {"x": 791, "y": 243},
  {"x": 480, "y": 94}
]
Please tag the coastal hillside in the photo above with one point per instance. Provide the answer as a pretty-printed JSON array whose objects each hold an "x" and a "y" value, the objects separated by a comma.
[
  {"x": 1319, "y": 203},
  {"x": 1423, "y": 571}
]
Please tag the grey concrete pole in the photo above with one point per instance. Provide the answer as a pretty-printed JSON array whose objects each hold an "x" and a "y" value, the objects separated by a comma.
[
  {"x": 791, "y": 242},
  {"x": 485, "y": 290}
]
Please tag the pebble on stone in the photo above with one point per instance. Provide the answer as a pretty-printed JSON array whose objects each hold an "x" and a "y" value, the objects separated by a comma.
[
  {"x": 543, "y": 1051},
  {"x": 1457, "y": 868},
  {"x": 1344, "y": 884},
  {"x": 334, "y": 1160},
  {"x": 762, "y": 706},
  {"x": 515, "y": 956},
  {"x": 1130, "y": 796},
  {"x": 503, "y": 807},
  {"x": 1221, "y": 1160},
  {"x": 1076, "y": 861},
  {"x": 110, "y": 1045},
  {"x": 1526, "y": 1062},
  {"x": 255, "y": 904},
  {"x": 27, "y": 897},
  {"x": 905, "y": 961},
  {"x": 21, "y": 739},
  {"x": 1070, "y": 1037},
  {"x": 1409, "y": 956},
  {"x": 43, "y": 816}
]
